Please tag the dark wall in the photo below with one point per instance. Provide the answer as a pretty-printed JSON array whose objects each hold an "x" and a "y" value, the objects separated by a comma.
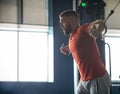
[{"x": 63, "y": 65}]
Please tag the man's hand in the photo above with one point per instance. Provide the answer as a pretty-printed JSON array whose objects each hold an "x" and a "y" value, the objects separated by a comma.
[
  {"x": 96, "y": 28},
  {"x": 64, "y": 50}
]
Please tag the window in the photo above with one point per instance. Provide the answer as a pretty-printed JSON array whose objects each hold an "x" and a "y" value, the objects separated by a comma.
[
  {"x": 112, "y": 39},
  {"x": 26, "y": 41},
  {"x": 26, "y": 53}
]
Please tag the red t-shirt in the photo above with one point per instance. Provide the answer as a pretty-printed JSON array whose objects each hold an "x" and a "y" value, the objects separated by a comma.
[{"x": 86, "y": 54}]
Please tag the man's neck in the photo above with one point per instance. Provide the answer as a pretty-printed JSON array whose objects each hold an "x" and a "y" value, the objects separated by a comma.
[{"x": 74, "y": 31}]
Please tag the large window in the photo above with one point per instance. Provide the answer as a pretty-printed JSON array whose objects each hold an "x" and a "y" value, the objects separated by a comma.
[
  {"x": 26, "y": 41},
  {"x": 112, "y": 40},
  {"x": 26, "y": 53}
]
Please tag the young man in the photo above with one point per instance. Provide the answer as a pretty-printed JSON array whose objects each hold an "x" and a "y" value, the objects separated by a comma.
[{"x": 82, "y": 45}]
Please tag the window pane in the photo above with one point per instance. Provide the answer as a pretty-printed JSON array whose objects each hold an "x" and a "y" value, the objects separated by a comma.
[
  {"x": 35, "y": 12},
  {"x": 8, "y": 56},
  {"x": 8, "y": 11},
  {"x": 33, "y": 56}
]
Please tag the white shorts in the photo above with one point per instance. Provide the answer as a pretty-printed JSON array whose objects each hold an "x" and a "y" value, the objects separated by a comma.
[{"x": 99, "y": 85}]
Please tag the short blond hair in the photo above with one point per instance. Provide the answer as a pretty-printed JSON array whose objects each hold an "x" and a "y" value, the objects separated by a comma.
[{"x": 69, "y": 13}]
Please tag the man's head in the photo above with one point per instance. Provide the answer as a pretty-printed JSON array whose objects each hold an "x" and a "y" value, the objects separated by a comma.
[{"x": 69, "y": 21}]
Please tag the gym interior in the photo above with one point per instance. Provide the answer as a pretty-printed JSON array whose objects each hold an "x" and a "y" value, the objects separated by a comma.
[{"x": 30, "y": 41}]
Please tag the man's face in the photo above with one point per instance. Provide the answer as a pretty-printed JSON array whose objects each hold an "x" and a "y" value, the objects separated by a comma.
[{"x": 65, "y": 25}]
